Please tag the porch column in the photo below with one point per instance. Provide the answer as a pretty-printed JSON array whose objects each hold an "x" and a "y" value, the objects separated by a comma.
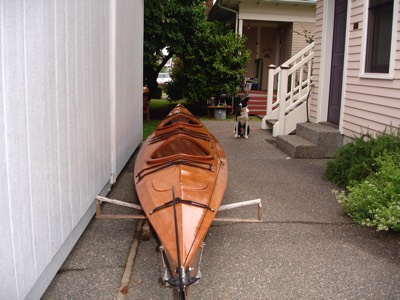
[{"x": 240, "y": 31}]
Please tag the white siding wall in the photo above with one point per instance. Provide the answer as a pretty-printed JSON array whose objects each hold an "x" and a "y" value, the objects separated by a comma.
[
  {"x": 70, "y": 116},
  {"x": 129, "y": 87}
]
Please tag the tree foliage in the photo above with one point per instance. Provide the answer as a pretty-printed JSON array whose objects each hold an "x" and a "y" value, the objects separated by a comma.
[
  {"x": 213, "y": 64},
  {"x": 211, "y": 58},
  {"x": 168, "y": 24}
]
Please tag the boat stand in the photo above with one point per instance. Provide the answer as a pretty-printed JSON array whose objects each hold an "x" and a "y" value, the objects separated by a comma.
[
  {"x": 100, "y": 215},
  {"x": 242, "y": 204}
]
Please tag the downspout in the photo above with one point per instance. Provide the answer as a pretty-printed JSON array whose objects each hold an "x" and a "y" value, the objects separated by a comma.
[{"x": 231, "y": 10}]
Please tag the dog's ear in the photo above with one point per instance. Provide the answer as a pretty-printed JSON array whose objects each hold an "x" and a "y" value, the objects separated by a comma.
[
  {"x": 238, "y": 109},
  {"x": 244, "y": 101}
]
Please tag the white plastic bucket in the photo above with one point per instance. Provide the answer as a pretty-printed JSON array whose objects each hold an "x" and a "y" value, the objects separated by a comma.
[{"x": 220, "y": 114}]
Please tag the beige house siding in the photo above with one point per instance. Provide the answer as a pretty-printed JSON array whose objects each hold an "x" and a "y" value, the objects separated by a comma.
[
  {"x": 299, "y": 40},
  {"x": 317, "y": 59},
  {"x": 369, "y": 104},
  {"x": 292, "y": 40},
  {"x": 286, "y": 44}
]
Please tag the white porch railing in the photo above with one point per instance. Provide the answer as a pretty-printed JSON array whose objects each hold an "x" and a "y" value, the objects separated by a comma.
[{"x": 293, "y": 88}]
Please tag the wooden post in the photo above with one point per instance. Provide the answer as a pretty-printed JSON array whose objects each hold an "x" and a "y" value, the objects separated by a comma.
[
  {"x": 282, "y": 98},
  {"x": 270, "y": 89}
]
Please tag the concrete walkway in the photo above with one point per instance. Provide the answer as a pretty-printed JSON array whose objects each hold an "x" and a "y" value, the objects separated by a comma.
[{"x": 306, "y": 248}]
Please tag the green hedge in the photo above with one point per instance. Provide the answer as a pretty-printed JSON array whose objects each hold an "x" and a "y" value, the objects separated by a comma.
[{"x": 369, "y": 168}]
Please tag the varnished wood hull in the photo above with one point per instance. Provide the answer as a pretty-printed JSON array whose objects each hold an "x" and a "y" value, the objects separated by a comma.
[{"x": 184, "y": 158}]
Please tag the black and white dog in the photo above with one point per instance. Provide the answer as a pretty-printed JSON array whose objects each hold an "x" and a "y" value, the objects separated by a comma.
[{"x": 242, "y": 127}]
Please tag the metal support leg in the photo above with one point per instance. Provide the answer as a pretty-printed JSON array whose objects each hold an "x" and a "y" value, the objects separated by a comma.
[
  {"x": 99, "y": 215},
  {"x": 241, "y": 204}
]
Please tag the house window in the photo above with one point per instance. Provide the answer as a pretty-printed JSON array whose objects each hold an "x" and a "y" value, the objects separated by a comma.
[{"x": 379, "y": 36}]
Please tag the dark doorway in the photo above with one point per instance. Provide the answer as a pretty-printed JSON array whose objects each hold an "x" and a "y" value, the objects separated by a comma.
[{"x": 336, "y": 79}]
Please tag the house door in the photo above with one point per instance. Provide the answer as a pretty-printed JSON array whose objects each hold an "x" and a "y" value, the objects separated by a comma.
[{"x": 336, "y": 79}]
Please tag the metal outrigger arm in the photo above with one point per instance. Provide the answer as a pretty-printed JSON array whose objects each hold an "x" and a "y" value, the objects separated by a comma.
[
  {"x": 241, "y": 204},
  {"x": 99, "y": 215},
  {"x": 257, "y": 202}
]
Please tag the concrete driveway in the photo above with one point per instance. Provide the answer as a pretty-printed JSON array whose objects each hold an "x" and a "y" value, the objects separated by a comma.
[{"x": 306, "y": 248}]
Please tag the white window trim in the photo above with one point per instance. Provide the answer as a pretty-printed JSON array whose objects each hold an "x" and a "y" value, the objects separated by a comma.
[{"x": 384, "y": 76}]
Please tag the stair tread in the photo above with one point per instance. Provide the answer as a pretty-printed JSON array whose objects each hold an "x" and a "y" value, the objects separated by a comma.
[
  {"x": 319, "y": 127},
  {"x": 318, "y": 141},
  {"x": 296, "y": 140},
  {"x": 321, "y": 135}
]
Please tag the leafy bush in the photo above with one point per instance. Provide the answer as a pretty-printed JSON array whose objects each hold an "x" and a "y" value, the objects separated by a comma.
[
  {"x": 212, "y": 64},
  {"x": 375, "y": 201},
  {"x": 369, "y": 168},
  {"x": 356, "y": 160}
]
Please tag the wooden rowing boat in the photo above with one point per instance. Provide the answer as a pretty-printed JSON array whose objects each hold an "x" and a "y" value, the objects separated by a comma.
[{"x": 180, "y": 178}]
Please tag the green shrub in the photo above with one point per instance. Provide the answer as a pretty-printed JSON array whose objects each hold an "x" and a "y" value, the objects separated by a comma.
[
  {"x": 375, "y": 201},
  {"x": 356, "y": 160}
]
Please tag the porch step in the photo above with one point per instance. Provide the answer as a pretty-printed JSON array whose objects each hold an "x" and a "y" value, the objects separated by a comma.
[
  {"x": 257, "y": 104},
  {"x": 312, "y": 140}
]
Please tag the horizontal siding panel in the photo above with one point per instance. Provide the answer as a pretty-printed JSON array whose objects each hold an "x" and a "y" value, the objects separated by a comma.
[
  {"x": 357, "y": 7},
  {"x": 357, "y": 10},
  {"x": 370, "y": 119},
  {"x": 367, "y": 98},
  {"x": 355, "y": 38},
  {"x": 354, "y": 49},
  {"x": 353, "y": 68},
  {"x": 373, "y": 89},
  {"x": 353, "y": 130},
  {"x": 368, "y": 82},
  {"x": 371, "y": 107},
  {"x": 356, "y": 125}
]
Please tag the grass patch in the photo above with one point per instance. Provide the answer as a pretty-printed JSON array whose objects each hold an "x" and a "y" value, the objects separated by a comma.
[{"x": 149, "y": 127}]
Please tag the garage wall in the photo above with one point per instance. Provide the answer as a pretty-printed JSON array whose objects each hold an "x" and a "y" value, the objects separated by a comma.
[{"x": 70, "y": 117}]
